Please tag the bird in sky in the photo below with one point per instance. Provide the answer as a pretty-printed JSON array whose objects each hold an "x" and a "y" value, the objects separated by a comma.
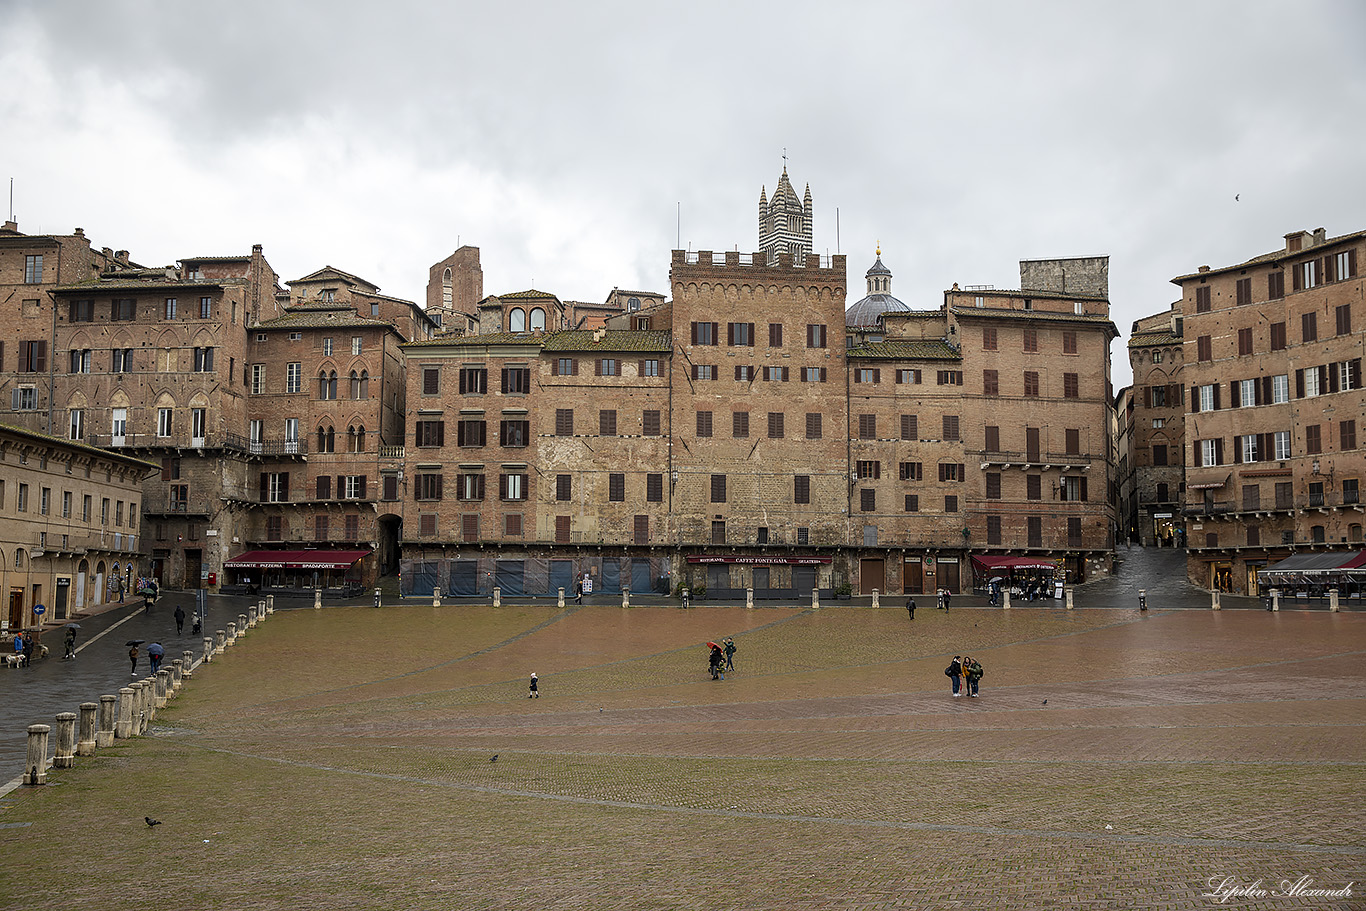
[
  {"x": 151, "y": 822},
  {"x": 1236, "y": 195}
]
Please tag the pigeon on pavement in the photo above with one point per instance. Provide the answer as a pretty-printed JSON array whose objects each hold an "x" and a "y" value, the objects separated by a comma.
[{"x": 151, "y": 822}]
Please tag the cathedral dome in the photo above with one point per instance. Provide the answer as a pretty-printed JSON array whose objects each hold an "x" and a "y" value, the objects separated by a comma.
[{"x": 866, "y": 312}]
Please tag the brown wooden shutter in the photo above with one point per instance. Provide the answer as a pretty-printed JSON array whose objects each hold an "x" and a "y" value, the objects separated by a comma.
[
  {"x": 1299, "y": 384},
  {"x": 1216, "y": 396},
  {"x": 1332, "y": 377},
  {"x": 363, "y": 479},
  {"x": 1195, "y": 399},
  {"x": 1295, "y": 277},
  {"x": 1237, "y": 450},
  {"x": 1234, "y": 394},
  {"x": 877, "y": 375},
  {"x": 730, "y": 333},
  {"x": 1083, "y": 488},
  {"x": 1147, "y": 396},
  {"x": 265, "y": 485},
  {"x": 1219, "y": 451},
  {"x": 1265, "y": 388}
]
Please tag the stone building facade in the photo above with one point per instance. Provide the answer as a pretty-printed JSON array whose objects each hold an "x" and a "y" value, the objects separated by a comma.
[
  {"x": 1271, "y": 365},
  {"x": 72, "y": 531},
  {"x": 1156, "y": 449}
]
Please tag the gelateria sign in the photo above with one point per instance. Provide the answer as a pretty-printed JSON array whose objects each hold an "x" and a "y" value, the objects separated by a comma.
[{"x": 762, "y": 561}]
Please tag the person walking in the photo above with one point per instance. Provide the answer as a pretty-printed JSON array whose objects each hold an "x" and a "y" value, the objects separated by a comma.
[
  {"x": 28, "y": 649},
  {"x": 939, "y": 599},
  {"x": 534, "y": 692},
  {"x": 910, "y": 607},
  {"x": 578, "y": 591},
  {"x": 154, "y": 656},
  {"x": 730, "y": 653},
  {"x": 133, "y": 657},
  {"x": 947, "y": 596},
  {"x": 70, "y": 643},
  {"x": 955, "y": 674},
  {"x": 973, "y": 672},
  {"x": 179, "y": 620},
  {"x": 714, "y": 663}
]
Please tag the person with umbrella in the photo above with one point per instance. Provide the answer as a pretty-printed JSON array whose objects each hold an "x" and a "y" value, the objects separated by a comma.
[
  {"x": 715, "y": 661},
  {"x": 154, "y": 655},
  {"x": 133, "y": 653},
  {"x": 71, "y": 640}
]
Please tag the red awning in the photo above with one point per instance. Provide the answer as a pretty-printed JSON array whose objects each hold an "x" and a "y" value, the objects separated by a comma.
[
  {"x": 1005, "y": 562},
  {"x": 296, "y": 559}
]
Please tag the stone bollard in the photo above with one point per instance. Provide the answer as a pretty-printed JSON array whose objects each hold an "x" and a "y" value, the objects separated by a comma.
[
  {"x": 270, "y": 604},
  {"x": 35, "y": 767},
  {"x": 232, "y": 633},
  {"x": 162, "y": 688},
  {"x": 85, "y": 743},
  {"x": 497, "y": 597},
  {"x": 241, "y": 625},
  {"x": 1068, "y": 595},
  {"x": 251, "y": 616},
  {"x": 261, "y": 608},
  {"x": 876, "y": 601},
  {"x": 220, "y": 641},
  {"x": 1333, "y": 600},
  {"x": 1275, "y": 599},
  {"x": 749, "y": 598},
  {"x": 815, "y": 599},
  {"x": 177, "y": 667},
  {"x": 1005, "y": 599},
  {"x": 561, "y": 602},
  {"x": 136, "y": 728},
  {"x": 104, "y": 737},
  {"x": 149, "y": 703},
  {"x": 186, "y": 669},
  {"x": 625, "y": 597},
  {"x": 317, "y": 599},
  {"x": 1214, "y": 599},
  {"x": 65, "y": 755},
  {"x": 123, "y": 729},
  {"x": 436, "y": 597}
]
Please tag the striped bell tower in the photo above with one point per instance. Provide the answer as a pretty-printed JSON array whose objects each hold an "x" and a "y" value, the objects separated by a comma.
[{"x": 784, "y": 222}]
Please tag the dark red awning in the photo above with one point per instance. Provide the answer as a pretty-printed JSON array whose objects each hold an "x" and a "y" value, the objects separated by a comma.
[{"x": 295, "y": 559}]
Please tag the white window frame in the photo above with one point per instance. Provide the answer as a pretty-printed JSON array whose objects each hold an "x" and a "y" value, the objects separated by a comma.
[
  {"x": 1208, "y": 453},
  {"x": 1206, "y": 394},
  {"x": 1281, "y": 441},
  {"x": 77, "y": 426},
  {"x": 356, "y": 344},
  {"x": 199, "y": 421},
  {"x": 327, "y": 347},
  {"x": 1248, "y": 445},
  {"x": 1344, "y": 375},
  {"x": 165, "y": 422},
  {"x": 118, "y": 426},
  {"x": 294, "y": 373},
  {"x": 256, "y": 431},
  {"x": 258, "y": 379},
  {"x": 292, "y": 436},
  {"x": 1247, "y": 393},
  {"x": 1312, "y": 387},
  {"x": 1280, "y": 389}
]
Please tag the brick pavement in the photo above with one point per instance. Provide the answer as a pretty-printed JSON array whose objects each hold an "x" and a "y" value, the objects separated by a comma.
[{"x": 832, "y": 770}]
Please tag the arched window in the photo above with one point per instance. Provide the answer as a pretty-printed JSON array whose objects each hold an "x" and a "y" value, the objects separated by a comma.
[
  {"x": 327, "y": 384},
  {"x": 327, "y": 439},
  {"x": 517, "y": 320},
  {"x": 360, "y": 384},
  {"x": 537, "y": 320},
  {"x": 446, "y": 287},
  {"x": 633, "y": 304},
  {"x": 355, "y": 385},
  {"x": 355, "y": 436}
]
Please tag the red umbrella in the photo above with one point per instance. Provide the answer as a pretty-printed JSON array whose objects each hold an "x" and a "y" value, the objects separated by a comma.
[{"x": 713, "y": 645}]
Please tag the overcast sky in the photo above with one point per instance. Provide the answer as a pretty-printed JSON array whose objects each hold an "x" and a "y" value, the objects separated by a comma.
[{"x": 562, "y": 138}]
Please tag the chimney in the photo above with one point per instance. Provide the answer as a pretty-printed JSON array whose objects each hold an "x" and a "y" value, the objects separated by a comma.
[
  {"x": 11, "y": 227},
  {"x": 79, "y": 232},
  {"x": 121, "y": 256},
  {"x": 1203, "y": 269},
  {"x": 1320, "y": 236}
]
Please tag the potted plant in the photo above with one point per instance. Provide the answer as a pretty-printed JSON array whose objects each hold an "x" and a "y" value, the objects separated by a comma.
[
  {"x": 843, "y": 591},
  {"x": 699, "y": 592}
]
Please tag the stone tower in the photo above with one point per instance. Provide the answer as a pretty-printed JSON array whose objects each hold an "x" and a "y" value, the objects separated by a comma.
[{"x": 784, "y": 222}]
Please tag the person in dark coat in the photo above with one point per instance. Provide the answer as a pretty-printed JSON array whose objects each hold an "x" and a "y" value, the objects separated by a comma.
[
  {"x": 179, "y": 620},
  {"x": 955, "y": 674},
  {"x": 715, "y": 661},
  {"x": 70, "y": 642},
  {"x": 534, "y": 692},
  {"x": 133, "y": 657},
  {"x": 730, "y": 654},
  {"x": 910, "y": 607}
]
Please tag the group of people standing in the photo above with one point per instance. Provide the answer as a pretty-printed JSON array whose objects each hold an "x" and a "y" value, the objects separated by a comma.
[
  {"x": 721, "y": 659},
  {"x": 964, "y": 673}
]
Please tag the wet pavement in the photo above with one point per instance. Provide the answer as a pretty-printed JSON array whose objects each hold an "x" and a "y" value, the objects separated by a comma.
[{"x": 37, "y": 694}]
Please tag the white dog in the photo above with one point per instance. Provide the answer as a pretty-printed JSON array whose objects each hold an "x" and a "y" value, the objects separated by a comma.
[{"x": 15, "y": 660}]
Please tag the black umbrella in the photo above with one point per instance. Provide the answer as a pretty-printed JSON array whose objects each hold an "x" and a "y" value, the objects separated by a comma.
[
  {"x": 73, "y": 626},
  {"x": 155, "y": 649},
  {"x": 135, "y": 642}
]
